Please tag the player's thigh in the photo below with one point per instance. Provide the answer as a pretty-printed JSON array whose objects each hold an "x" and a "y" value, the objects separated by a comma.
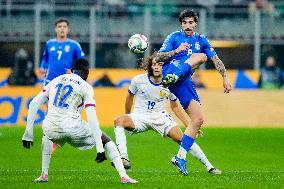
[
  {"x": 196, "y": 60},
  {"x": 194, "y": 111},
  {"x": 140, "y": 123},
  {"x": 175, "y": 133},
  {"x": 162, "y": 123},
  {"x": 125, "y": 121}
]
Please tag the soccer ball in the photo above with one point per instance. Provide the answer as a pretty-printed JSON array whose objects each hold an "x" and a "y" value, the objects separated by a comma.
[{"x": 138, "y": 43}]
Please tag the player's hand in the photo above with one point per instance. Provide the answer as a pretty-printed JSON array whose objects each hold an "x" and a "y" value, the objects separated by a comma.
[
  {"x": 227, "y": 85},
  {"x": 101, "y": 156},
  {"x": 42, "y": 72},
  {"x": 182, "y": 47},
  {"x": 27, "y": 144}
]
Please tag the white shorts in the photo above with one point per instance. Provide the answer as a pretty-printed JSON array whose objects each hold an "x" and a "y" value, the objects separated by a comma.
[
  {"x": 160, "y": 122},
  {"x": 76, "y": 132}
]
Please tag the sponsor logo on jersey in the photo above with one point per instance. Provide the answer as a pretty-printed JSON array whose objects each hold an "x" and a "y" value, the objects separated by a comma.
[
  {"x": 197, "y": 46},
  {"x": 52, "y": 48},
  {"x": 67, "y": 48}
]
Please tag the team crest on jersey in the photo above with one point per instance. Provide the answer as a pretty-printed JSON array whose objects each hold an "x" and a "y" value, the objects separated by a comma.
[
  {"x": 52, "y": 48},
  {"x": 163, "y": 93},
  {"x": 197, "y": 46},
  {"x": 67, "y": 48}
]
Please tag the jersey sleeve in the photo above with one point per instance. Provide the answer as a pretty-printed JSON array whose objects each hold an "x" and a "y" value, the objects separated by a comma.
[
  {"x": 89, "y": 97},
  {"x": 172, "y": 97},
  {"x": 168, "y": 43},
  {"x": 207, "y": 47},
  {"x": 44, "y": 61},
  {"x": 133, "y": 87},
  {"x": 78, "y": 52}
]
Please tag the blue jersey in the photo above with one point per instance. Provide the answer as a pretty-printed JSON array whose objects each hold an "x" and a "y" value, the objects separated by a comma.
[
  {"x": 59, "y": 56},
  {"x": 184, "y": 88},
  {"x": 197, "y": 44}
]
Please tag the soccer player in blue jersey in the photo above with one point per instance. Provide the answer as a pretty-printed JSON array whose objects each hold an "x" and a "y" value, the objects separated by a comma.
[
  {"x": 59, "y": 54},
  {"x": 183, "y": 51}
]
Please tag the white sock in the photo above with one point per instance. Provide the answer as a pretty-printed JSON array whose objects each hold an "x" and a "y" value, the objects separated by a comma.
[
  {"x": 121, "y": 141},
  {"x": 196, "y": 151},
  {"x": 46, "y": 148},
  {"x": 114, "y": 156}
]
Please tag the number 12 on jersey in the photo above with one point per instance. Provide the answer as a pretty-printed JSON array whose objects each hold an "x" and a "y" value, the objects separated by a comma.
[{"x": 62, "y": 93}]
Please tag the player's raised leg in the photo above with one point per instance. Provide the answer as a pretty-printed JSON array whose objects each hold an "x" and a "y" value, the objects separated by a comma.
[
  {"x": 121, "y": 123},
  {"x": 46, "y": 156},
  {"x": 183, "y": 69},
  {"x": 115, "y": 158}
]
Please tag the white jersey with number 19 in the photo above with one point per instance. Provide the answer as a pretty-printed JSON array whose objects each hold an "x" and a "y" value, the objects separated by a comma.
[{"x": 150, "y": 97}]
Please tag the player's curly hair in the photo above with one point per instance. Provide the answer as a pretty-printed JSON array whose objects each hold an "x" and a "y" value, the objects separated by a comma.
[
  {"x": 188, "y": 13},
  {"x": 81, "y": 66},
  {"x": 146, "y": 63},
  {"x": 61, "y": 19}
]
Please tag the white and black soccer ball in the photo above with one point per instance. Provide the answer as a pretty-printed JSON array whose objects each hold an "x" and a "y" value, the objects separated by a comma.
[{"x": 138, "y": 43}]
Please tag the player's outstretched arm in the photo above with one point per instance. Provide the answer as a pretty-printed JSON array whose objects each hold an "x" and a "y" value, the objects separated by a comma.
[
  {"x": 179, "y": 112},
  {"x": 94, "y": 124},
  {"x": 128, "y": 103},
  {"x": 28, "y": 136},
  {"x": 222, "y": 70}
]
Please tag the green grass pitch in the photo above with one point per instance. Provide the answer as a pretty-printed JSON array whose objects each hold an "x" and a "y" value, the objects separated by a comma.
[{"x": 249, "y": 158}]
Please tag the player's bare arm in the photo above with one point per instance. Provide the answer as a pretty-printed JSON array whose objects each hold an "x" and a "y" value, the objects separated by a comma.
[
  {"x": 161, "y": 56},
  {"x": 222, "y": 70},
  {"x": 179, "y": 112},
  {"x": 128, "y": 103}
]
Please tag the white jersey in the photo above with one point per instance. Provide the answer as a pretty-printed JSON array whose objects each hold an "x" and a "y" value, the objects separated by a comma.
[
  {"x": 149, "y": 97},
  {"x": 67, "y": 95}
]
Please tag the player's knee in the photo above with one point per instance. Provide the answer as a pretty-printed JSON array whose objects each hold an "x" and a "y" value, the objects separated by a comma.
[
  {"x": 203, "y": 57},
  {"x": 198, "y": 121},
  {"x": 118, "y": 121}
]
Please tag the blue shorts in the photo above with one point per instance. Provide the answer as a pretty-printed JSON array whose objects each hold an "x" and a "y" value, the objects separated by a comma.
[
  {"x": 184, "y": 88},
  {"x": 185, "y": 91}
]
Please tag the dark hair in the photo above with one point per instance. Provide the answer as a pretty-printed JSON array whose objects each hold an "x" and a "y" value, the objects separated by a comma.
[
  {"x": 61, "y": 19},
  {"x": 188, "y": 13},
  {"x": 81, "y": 66},
  {"x": 147, "y": 62}
]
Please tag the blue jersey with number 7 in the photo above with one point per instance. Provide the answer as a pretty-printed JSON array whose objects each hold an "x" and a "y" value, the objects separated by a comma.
[{"x": 59, "y": 56}]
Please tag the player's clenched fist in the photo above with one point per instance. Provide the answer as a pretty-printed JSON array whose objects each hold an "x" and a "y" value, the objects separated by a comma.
[{"x": 182, "y": 47}]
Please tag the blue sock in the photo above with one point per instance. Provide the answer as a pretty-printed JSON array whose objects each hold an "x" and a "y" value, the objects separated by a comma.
[{"x": 186, "y": 142}]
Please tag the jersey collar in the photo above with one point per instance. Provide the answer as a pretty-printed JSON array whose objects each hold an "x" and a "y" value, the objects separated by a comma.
[{"x": 156, "y": 84}]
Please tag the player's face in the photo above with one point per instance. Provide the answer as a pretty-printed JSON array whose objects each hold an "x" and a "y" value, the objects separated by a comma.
[
  {"x": 188, "y": 25},
  {"x": 157, "y": 68},
  {"x": 61, "y": 30}
]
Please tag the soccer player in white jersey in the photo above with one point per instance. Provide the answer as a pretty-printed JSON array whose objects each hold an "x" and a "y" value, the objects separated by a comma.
[
  {"x": 67, "y": 95},
  {"x": 150, "y": 112}
]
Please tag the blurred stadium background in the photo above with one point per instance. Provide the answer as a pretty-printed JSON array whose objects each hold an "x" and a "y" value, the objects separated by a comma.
[{"x": 243, "y": 32}]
